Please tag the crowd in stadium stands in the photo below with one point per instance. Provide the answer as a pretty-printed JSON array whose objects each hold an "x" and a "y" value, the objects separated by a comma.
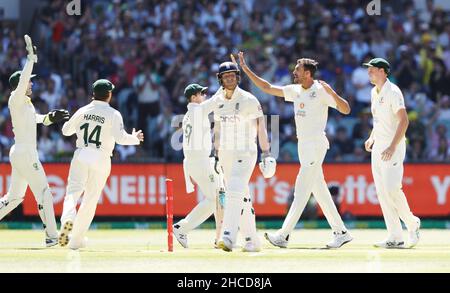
[{"x": 152, "y": 49}]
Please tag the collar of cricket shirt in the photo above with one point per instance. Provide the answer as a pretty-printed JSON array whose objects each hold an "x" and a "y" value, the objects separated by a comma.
[
  {"x": 385, "y": 86},
  {"x": 100, "y": 103},
  {"x": 192, "y": 105},
  {"x": 233, "y": 97}
]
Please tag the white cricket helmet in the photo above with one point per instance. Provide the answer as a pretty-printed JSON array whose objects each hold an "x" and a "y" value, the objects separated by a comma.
[{"x": 268, "y": 166}]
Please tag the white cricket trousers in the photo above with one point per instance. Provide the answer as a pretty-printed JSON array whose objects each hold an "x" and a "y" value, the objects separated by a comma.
[
  {"x": 239, "y": 213},
  {"x": 202, "y": 172},
  {"x": 28, "y": 170},
  {"x": 388, "y": 177},
  {"x": 88, "y": 175},
  {"x": 310, "y": 179}
]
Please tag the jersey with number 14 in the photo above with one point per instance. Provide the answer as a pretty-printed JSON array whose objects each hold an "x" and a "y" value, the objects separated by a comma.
[{"x": 99, "y": 126}]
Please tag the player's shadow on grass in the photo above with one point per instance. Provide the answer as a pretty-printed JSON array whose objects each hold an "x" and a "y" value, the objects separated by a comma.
[{"x": 309, "y": 248}]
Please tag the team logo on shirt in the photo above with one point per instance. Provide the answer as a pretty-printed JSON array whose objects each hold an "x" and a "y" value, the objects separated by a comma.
[
  {"x": 313, "y": 95},
  {"x": 230, "y": 118},
  {"x": 36, "y": 167},
  {"x": 381, "y": 100},
  {"x": 211, "y": 178},
  {"x": 236, "y": 108}
]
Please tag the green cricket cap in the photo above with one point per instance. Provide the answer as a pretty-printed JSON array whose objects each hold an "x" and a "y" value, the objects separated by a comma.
[
  {"x": 102, "y": 87},
  {"x": 379, "y": 63},
  {"x": 15, "y": 78},
  {"x": 193, "y": 89}
]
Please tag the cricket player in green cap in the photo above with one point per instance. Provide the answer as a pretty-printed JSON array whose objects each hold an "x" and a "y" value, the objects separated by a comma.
[
  {"x": 26, "y": 167},
  {"x": 98, "y": 128},
  {"x": 198, "y": 166},
  {"x": 387, "y": 143}
]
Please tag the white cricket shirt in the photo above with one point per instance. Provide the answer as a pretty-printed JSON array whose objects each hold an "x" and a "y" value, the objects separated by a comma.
[
  {"x": 310, "y": 108},
  {"x": 384, "y": 107},
  {"x": 23, "y": 114},
  {"x": 98, "y": 126},
  {"x": 237, "y": 117},
  {"x": 197, "y": 141}
]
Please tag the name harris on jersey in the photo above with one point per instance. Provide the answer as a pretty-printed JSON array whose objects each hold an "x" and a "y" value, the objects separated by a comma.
[{"x": 95, "y": 118}]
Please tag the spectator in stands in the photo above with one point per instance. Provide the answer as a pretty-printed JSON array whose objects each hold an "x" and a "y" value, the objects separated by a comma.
[
  {"x": 416, "y": 134},
  {"x": 364, "y": 125},
  {"x": 175, "y": 42},
  {"x": 442, "y": 152},
  {"x": 343, "y": 144}
]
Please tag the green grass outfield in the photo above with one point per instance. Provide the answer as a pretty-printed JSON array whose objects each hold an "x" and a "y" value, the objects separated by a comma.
[{"x": 146, "y": 251}]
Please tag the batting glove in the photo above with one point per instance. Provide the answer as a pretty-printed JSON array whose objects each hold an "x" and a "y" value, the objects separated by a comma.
[{"x": 268, "y": 165}]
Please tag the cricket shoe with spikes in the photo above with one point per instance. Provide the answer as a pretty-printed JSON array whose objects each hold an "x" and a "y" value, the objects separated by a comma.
[
  {"x": 225, "y": 244},
  {"x": 250, "y": 246},
  {"x": 50, "y": 242},
  {"x": 181, "y": 237},
  {"x": 77, "y": 245},
  {"x": 66, "y": 228},
  {"x": 339, "y": 239},
  {"x": 277, "y": 240},
  {"x": 390, "y": 244},
  {"x": 414, "y": 235}
]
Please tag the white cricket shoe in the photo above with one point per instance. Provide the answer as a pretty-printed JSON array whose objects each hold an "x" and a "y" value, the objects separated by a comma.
[
  {"x": 250, "y": 246},
  {"x": 414, "y": 235},
  {"x": 49, "y": 242},
  {"x": 75, "y": 246},
  {"x": 339, "y": 239},
  {"x": 66, "y": 228},
  {"x": 181, "y": 237},
  {"x": 225, "y": 244},
  {"x": 390, "y": 244},
  {"x": 277, "y": 239}
]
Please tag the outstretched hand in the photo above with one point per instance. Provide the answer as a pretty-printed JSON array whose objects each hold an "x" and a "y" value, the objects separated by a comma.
[
  {"x": 138, "y": 134},
  {"x": 233, "y": 59},
  {"x": 31, "y": 50},
  {"x": 241, "y": 59},
  {"x": 59, "y": 115}
]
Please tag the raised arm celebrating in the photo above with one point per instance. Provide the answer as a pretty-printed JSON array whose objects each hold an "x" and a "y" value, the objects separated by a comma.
[{"x": 263, "y": 84}]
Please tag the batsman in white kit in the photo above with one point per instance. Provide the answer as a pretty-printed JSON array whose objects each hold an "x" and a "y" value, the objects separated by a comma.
[
  {"x": 98, "y": 127},
  {"x": 311, "y": 100},
  {"x": 198, "y": 166},
  {"x": 387, "y": 142},
  {"x": 239, "y": 121},
  {"x": 26, "y": 167}
]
